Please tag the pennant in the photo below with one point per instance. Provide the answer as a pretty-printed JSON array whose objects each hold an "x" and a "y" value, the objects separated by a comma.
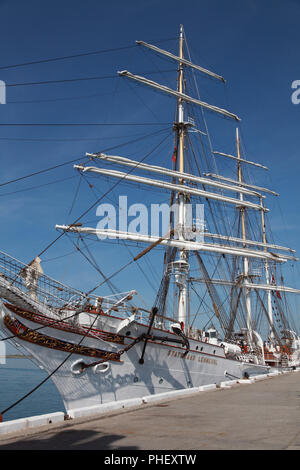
[
  {"x": 278, "y": 295},
  {"x": 174, "y": 155}
]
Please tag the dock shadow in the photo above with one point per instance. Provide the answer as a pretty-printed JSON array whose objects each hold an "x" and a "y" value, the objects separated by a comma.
[{"x": 69, "y": 439}]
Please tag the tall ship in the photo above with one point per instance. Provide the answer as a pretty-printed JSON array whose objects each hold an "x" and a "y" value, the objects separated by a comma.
[{"x": 216, "y": 257}]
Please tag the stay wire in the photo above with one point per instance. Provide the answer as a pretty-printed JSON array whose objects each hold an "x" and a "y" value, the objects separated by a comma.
[
  {"x": 78, "y": 79},
  {"x": 93, "y": 262},
  {"x": 75, "y": 196},
  {"x": 40, "y": 172},
  {"x": 81, "y": 124},
  {"x": 73, "y": 56},
  {"x": 37, "y": 186},
  {"x": 77, "y": 159}
]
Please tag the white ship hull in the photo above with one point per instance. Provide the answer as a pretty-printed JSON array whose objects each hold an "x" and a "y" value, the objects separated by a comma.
[{"x": 164, "y": 368}]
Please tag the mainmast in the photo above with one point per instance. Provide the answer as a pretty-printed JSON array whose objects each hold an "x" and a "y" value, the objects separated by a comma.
[
  {"x": 181, "y": 266},
  {"x": 267, "y": 273}
]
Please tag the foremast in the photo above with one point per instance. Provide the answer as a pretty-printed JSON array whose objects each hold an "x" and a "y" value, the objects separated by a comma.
[{"x": 181, "y": 266}]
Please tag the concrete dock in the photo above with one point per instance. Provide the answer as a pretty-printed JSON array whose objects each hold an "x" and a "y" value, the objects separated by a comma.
[{"x": 264, "y": 415}]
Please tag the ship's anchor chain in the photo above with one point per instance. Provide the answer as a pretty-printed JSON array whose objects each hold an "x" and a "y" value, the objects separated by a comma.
[{"x": 113, "y": 356}]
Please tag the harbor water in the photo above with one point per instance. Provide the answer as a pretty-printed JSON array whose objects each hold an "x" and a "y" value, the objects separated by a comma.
[{"x": 20, "y": 376}]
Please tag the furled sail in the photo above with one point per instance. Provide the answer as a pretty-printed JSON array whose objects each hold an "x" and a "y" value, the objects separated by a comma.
[
  {"x": 178, "y": 94},
  {"x": 30, "y": 275}
]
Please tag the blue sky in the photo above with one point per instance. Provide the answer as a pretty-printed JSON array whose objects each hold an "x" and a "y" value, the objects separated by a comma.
[{"x": 253, "y": 44}]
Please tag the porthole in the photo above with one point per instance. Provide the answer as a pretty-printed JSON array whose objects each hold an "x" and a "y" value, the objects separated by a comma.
[
  {"x": 160, "y": 381},
  {"x": 128, "y": 333}
]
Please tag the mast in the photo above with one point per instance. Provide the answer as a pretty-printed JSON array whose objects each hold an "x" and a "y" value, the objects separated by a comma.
[
  {"x": 245, "y": 259},
  {"x": 181, "y": 266},
  {"x": 267, "y": 273},
  {"x": 180, "y": 104}
]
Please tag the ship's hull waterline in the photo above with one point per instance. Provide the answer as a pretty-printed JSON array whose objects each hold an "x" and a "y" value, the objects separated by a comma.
[{"x": 164, "y": 367}]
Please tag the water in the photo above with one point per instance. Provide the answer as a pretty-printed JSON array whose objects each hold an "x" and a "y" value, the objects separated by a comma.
[{"x": 19, "y": 376}]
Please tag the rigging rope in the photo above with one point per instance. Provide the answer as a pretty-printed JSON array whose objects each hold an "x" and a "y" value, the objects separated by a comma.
[
  {"x": 73, "y": 56},
  {"x": 93, "y": 262},
  {"x": 81, "y": 79}
]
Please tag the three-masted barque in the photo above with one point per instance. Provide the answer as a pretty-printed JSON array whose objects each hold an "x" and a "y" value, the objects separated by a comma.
[{"x": 99, "y": 349}]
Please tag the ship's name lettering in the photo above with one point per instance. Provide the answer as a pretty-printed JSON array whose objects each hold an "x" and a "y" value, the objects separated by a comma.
[{"x": 192, "y": 357}]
